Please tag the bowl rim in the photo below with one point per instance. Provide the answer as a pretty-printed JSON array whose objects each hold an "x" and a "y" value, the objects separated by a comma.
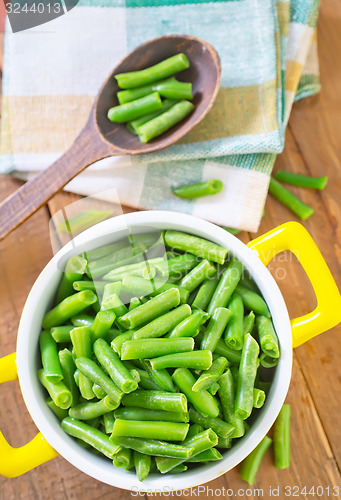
[{"x": 27, "y": 354}]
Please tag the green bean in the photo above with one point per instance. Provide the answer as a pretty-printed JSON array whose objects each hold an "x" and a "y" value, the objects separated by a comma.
[
  {"x": 141, "y": 287},
  {"x": 288, "y": 199},
  {"x": 215, "y": 328},
  {"x": 152, "y": 348},
  {"x": 226, "y": 286},
  {"x": 234, "y": 333},
  {"x": 95, "y": 286},
  {"x": 267, "y": 361},
  {"x": 197, "y": 275},
  {"x": 258, "y": 398},
  {"x": 214, "y": 388},
  {"x": 197, "y": 360},
  {"x": 166, "y": 431},
  {"x": 82, "y": 221},
  {"x": 198, "y": 443},
  {"x": 102, "y": 324},
  {"x": 209, "y": 455},
  {"x": 124, "y": 459},
  {"x": 118, "y": 342},
  {"x": 223, "y": 429},
  {"x": 59, "y": 412},
  {"x": 203, "y": 401},
  {"x": 112, "y": 333},
  {"x": 120, "y": 257},
  {"x": 108, "y": 420},
  {"x": 164, "y": 323},
  {"x": 81, "y": 341},
  {"x": 306, "y": 181},
  {"x": 98, "y": 391},
  {"x": 213, "y": 186},
  {"x": 146, "y": 382},
  {"x": 251, "y": 464},
  {"x": 134, "y": 303},
  {"x": 154, "y": 447},
  {"x": 142, "y": 464},
  {"x": 161, "y": 377},
  {"x": 119, "y": 272},
  {"x": 97, "y": 375},
  {"x": 68, "y": 367},
  {"x": 179, "y": 468},
  {"x": 194, "y": 429},
  {"x": 208, "y": 377},
  {"x": 112, "y": 364},
  {"x": 74, "y": 270},
  {"x": 58, "y": 391},
  {"x": 131, "y": 110},
  {"x": 253, "y": 301},
  {"x": 88, "y": 411},
  {"x": 246, "y": 378},
  {"x": 100, "y": 252},
  {"x": 154, "y": 73},
  {"x": 83, "y": 320},
  {"x": 178, "y": 265},
  {"x": 281, "y": 438},
  {"x": 166, "y": 104},
  {"x": 93, "y": 437},
  {"x": 156, "y": 400},
  {"x": 227, "y": 397},
  {"x": 170, "y": 88},
  {"x": 225, "y": 443},
  {"x": 222, "y": 350},
  {"x": 195, "y": 245},
  {"x": 205, "y": 293},
  {"x": 109, "y": 290},
  {"x": 152, "y": 309},
  {"x": 247, "y": 282},
  {"x": 189, "y": 327},
  {"x": 248, "y": 323},
  {"x": 49, "y": 357},
  {"x": 160, "y": 124},
  {"x": 267, "y": 337},
  {"x": 68, "y": 307},
  {"x": 61, "y": 334},
  {"x": 132, "y": 413},
  {"x": 76, "y": 377}
]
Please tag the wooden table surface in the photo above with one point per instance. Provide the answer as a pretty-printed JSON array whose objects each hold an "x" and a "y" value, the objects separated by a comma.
[{"x": 313, "y": 146}]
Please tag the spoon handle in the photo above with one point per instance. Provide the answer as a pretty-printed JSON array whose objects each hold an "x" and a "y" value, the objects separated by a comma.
[{"x": 19, "y": 206}]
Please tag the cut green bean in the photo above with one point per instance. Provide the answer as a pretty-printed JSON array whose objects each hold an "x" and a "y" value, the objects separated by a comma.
[
  {"x": 198, "y": 443},
  {"x": 81, "y": 341},
  {"x": 306, "y": 181},
  {"x": 226, "y": 286},
  {"x": 98, "y": 391},
  {"x": 209, "y": 455},
  {"x": 267, "y": 361},
  {"x": 234, "y": 333},
  {"x": 82, "y": 221},
  {"x": 90, "y": 435},
  {"x": 124, "y": 459},
  {"x": 59, "y": 412},
  {"x": 204, "y": 295},
  {"x": 102, "y": 324},
  {"x": 58, "y": 391},
  {"x": 248, "y": 323},
  {"x": 163, "y": 69},
  {"x": 194, "y": 429},
  {"x": 68, "y": 307},
  {"x": 88, "y": 411},
  {"x": 154, "y": 447},
  {"x": 288, "y": 199},
  {"x": 49, "y": 357},
  {"x": 222, "y": 350},
  {"x": 221, "y": 428},
  {"x": 152, "y": 309},
  {"x": 68, "y": 367},
  {"x": 146, "y": 382},
  {"x": 281, "y": 438},
  {"x": 131, "y": 110},
  {"x": 118, "y": 273},
  {"x": 215, "y": 328},
  {"x": 120, "y": 257},
  {"x": 213, "y": 186},
  {"x": 82, "y": 319},
  {"x": 141, "y": 287},
  {"x": 267, "y": 337},
  {"x": 132, "y": 413},
  {"x": 163, "y": 324},
  {"x": 246, "y": 378},
  {"x": 134, "y": 124},
  {"x": 214, "y": 388},
  {"x": 156, "y": 400},
  {"x": 179, "y": 468},
  {"x": 108, "y": 421},
  {"x": 153, "y": 348},
  {"x": 251, "y": 464},
  {"x": 189, "y": 327},
  {"x": 197, "y": 275},
  {"x": 100, "y": 252},
  {"x": 227, "y": 397},
  {"x": 164, "y": 431},
  {"x": 142, "y": 464},
  {"x": 196, "y": 246},
  {"x": 258, "y": 398},
  {"x": 112, "y": 364},
  {"x": 224, "y": 443},
  {"x": 94, "y": 286},
  {"x": 197, "y": 360},
  {"x": 161, "y": 377},
  {"x": 109, "y": 290},
  {"x": 74, "y": 270},
  {"x": 118, "y": 341},
  {"x": 170, "y": 88},
  {"x": 208, "y": 377},
  {"x": 93, "y": 372},
  {"x": 61, "y": 334},
  {"x": 204, "y": 402},
  {"x": 253, "y": 301},
  {"x": 247, "y": 282},
  {"x": 134, "y": 303},
  {"x": 178, "y": 265}
]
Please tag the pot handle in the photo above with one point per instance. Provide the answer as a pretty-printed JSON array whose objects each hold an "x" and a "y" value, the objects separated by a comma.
[
  {"x": 294, "y": 237},
  {"x": 17, "y": 461}
]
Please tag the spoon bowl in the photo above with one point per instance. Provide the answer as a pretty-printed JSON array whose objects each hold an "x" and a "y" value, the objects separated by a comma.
[{"x": 101, "y": 138}]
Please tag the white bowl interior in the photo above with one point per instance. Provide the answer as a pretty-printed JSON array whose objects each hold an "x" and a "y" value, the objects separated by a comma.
[{"x": 41, "y": 298}]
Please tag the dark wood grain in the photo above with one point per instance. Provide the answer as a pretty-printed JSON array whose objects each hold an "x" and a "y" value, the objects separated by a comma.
[{"x": 100, "y": 138}]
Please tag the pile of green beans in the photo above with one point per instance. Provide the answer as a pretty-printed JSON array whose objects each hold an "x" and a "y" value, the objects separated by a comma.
[
  {"x": 144, "y": 374},
  {"x": 140, "y": 104}
]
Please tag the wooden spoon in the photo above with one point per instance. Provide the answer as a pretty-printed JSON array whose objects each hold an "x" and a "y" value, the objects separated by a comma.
[{"x": 101, "y": 138}]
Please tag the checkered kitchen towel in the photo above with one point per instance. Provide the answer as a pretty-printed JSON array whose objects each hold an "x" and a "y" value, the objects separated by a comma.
[{"x": 268, "y": 54}]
